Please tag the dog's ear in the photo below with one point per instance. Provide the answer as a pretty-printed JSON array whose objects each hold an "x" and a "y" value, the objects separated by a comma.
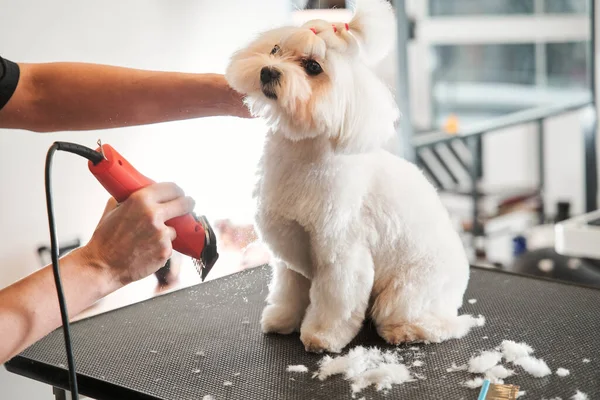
[{"x": 374, "y": 26}]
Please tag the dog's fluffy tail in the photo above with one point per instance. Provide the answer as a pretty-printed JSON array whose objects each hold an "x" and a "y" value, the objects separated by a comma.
[{"x": 374, "y": 26}]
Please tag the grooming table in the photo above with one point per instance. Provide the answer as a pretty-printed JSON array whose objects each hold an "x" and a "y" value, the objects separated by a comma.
[{"x": 184, "y": 345}]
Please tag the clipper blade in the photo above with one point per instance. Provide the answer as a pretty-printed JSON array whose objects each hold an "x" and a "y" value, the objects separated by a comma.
[
  {"x": 200, "y": 268},
  {"x": 209, "y": 254}
]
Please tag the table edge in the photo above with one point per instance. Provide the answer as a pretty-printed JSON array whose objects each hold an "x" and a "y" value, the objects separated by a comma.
[{"x": 59, "y": 378}]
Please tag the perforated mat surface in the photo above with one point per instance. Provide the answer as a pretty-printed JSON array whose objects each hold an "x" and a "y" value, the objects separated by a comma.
[{"x": 187, "y": 344}]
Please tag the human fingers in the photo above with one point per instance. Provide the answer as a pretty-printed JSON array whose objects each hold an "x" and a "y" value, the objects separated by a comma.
[
  {"x": 160, "y": 192},
  {"x": 178, "y": 207},
  {"x": 172, "y": 233}
]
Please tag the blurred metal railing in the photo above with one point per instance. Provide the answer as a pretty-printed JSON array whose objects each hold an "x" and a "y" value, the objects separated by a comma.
[{"x": 470, "y": 161}]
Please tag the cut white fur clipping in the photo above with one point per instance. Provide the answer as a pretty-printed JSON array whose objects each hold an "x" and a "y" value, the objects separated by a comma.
[
  {"x": 474, "y": 383},
  {"x": 512, "y": 350},
  {"x": 365, "y": 367},
  {"x": 472, "y": 301},
  {"x": 454, "y": 368},
  {"x": 227, "y": 383},
  {"x": 485, "y": 361},
  {"x": 579, "y": 396},
  {"x": 419, "y": 376},
  {"x": 520, "y": 354},
  {"x": 208, "y": 397},
  {"x": 418, "y": 363},
  {"x": 297, "y": 368},
  {"x": 521, "y": 393},
  {"x": 586, "y": 360},
  {"x": 382, "y": 377},
  {"x": 488, "y": 364},
  {"x": 498, "y": 372},
  {"x": 534, "y": 366}
]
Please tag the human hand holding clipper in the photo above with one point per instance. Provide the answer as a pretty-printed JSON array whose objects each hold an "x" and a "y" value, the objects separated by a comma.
[
  {"x": 133, "y": 241},
  {"x": 194, "y": 236}
]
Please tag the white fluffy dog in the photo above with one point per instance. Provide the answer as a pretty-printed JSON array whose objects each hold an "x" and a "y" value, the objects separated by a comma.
[{"x": 355, "y": 231}]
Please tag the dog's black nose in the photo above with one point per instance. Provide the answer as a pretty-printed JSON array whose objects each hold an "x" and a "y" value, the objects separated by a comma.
[{"x": 269, "y": 75}]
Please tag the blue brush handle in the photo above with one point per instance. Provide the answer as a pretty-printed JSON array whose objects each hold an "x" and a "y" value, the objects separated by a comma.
[{"x": 484, "y": 389}]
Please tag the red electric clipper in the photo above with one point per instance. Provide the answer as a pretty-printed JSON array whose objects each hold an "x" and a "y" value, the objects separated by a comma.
[{"x": 195, "y": 237}]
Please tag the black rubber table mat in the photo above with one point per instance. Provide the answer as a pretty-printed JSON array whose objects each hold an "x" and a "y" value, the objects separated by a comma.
[{"x": 186, "y": 344}]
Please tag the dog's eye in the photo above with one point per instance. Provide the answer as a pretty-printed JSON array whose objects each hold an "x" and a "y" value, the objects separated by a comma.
[
  {"x": 312, "y": 67},
  {"x": 275, "y": 50}
]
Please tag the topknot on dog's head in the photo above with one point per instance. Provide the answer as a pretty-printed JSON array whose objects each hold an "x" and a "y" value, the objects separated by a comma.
[
  {"x": 371, "y": 31},
  {"x": 374, "y": 26},
  {"x": 336, "y": 36}
]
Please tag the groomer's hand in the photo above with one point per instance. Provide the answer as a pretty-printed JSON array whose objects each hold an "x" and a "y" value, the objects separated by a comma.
[{"x": 132, "y": 241}]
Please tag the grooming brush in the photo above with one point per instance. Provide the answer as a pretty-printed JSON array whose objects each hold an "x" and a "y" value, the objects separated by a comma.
[
  {"x": 495, "y": 391},
  {"x": 195, "y": 236}
]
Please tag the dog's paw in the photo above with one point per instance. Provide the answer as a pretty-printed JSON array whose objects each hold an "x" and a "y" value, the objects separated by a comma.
[
  {"x": 279, "y": 319},
  {"x": 396, "y": 334},
  {"x": 319, "y": 342}
]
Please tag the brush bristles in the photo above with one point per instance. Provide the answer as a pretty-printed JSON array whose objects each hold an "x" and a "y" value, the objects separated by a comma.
[{"x": 502, "y": 392}]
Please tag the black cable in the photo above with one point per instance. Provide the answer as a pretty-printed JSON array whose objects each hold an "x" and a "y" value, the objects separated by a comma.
[
  {"x": 83, "y": 151},
  {"x": 95, "y": 157}
]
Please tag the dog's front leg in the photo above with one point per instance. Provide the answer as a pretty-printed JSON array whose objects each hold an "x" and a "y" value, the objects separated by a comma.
[
  {"x": 287, "y": 301},
  {"x": 339, "y": 296},
  {"x": 288, "y": 290},
  {"x": 287, "y": 240}
]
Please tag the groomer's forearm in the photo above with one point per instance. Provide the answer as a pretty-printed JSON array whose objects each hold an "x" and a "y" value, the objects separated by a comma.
[
  {"x": 79, "y": 96},
  {"x": 29, "y": 309}
]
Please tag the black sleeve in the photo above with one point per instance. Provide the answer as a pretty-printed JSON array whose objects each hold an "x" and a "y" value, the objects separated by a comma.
[{"x": 9, "y": 78}]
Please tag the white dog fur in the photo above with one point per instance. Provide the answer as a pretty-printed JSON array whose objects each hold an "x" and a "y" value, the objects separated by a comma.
[{"x": 355, "y": 231}]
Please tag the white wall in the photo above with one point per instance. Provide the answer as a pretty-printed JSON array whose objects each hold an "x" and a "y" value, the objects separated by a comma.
[{"x": 183, "y": 35}]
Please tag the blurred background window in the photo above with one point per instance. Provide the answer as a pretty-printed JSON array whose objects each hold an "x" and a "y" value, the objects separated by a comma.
[
  {"x": 487, "y": 72},
  {"x": 480, "y": 7},
  {"x": 567, "y": 6}
]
